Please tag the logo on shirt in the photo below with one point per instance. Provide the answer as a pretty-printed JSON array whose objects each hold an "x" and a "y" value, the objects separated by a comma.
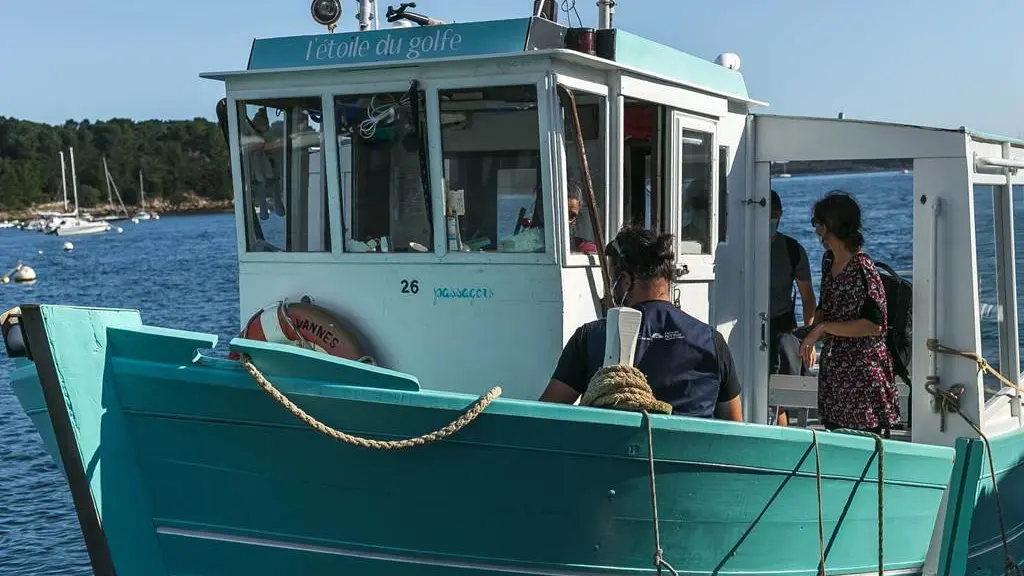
[{"x": 670, "y": 335}]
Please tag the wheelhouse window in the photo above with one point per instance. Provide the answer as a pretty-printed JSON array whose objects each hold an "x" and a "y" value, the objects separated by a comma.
[
  {"x": 698, "y": 169},
  {"x": 382, "y": 162},
  {"x": 283, "y": 178},
  {"x": 591, "y": 113},
  {"x": 490, "y": 140}
]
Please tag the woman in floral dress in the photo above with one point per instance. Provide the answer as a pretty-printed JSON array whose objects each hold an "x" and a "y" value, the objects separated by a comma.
[{"x": 856, "y": 385}]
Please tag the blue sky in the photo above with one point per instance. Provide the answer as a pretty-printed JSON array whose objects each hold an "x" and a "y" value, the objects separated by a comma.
[{"x": 915, "y": 61}]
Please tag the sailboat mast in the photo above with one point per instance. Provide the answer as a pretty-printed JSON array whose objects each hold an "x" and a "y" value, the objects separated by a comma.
[
  {"x": 106, "y": 172},
  {"x": 74, "y": 178},
  {"x": 64, "y": 181},
  {"x": 142, "y": 192}
]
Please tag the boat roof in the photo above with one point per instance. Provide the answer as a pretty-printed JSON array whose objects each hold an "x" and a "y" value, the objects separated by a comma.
[
  {"x": 977, "y": 135},
  {"x": 512, "y": 38}
]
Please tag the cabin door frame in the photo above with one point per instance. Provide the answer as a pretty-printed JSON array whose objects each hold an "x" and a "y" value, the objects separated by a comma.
[{"x": 685, "y": 129}]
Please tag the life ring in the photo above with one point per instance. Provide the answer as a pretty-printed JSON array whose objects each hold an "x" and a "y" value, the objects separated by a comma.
[{"x": 309, "y": 326}]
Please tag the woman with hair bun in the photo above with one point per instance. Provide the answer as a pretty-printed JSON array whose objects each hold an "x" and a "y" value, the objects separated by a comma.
[
  {"x": 856, "y": 386},
  {"x": 687, "y": 362}
]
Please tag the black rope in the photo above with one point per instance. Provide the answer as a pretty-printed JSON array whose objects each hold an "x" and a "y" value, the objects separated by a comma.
[
  {"x": 659, "y": 558},
  {"x": 950, "y": 400}
]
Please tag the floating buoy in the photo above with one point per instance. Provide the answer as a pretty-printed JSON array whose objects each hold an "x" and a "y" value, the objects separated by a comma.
[
  {"x": 119, "y": 229},
  {"x": 68, "y": 246},
  {"x": 135, "y": 220},
  {"x": 23, "y": 274}
]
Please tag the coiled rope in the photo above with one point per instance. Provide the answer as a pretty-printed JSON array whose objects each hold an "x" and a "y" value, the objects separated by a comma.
[
  {"x": 948, "y": 400},
  {"x": 623, "y": 387},
  {"x": 458, "y": 424}
]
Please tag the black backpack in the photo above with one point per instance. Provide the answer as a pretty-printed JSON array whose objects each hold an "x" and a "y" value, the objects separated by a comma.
[{"x": 899, "y": 297}]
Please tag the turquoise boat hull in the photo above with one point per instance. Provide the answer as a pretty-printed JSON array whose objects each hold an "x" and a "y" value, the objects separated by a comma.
[{"x": 180, "y": 464}]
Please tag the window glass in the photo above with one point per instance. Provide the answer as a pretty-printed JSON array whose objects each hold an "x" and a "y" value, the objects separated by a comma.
[
  {"x": 382, "y": 161},
  {"x": 697, "y": 171},
  {"x": 283, "y": 180},
  {"x": 490, "y": 141},
  {"x": 985, "y": 246},
  {"x": 591, "y": 111}
]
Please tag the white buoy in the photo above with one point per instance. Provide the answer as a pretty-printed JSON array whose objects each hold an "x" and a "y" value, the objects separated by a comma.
[
  {"x": 119, "y": 229},
  {"x": 23, "y": 274},
  {"x": 135, "y": 220},
  {"x": 68, "y": 246}
]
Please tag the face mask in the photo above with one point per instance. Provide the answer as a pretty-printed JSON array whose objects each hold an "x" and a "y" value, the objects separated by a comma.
[
  {"x": 619, "y": 299},
  {"x": 773, "y": 226}
]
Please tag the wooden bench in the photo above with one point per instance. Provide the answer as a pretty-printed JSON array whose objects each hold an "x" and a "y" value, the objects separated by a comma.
[{"x": 801, "y": 392}]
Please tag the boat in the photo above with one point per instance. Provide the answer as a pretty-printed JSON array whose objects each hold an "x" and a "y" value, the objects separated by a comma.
[
  {"x": 143, "y": 214},
  {"x": 74, "y": 225},
  {"x": 365, "y": 432},
  {"x": 112, "y": 214}
]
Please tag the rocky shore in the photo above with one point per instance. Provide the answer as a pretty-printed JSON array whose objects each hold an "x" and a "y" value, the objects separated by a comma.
[{"x": 189, "y": 204}]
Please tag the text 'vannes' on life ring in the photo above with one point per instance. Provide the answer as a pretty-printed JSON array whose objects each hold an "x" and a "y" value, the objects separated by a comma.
[{"x": 308, "y": 326}]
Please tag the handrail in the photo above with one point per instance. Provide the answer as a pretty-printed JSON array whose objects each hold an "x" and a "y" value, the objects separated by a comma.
[{"x": 981, "y": 162}]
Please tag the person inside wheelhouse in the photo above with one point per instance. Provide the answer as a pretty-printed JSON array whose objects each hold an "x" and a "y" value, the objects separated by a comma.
[{"x": 581, "y": 232}]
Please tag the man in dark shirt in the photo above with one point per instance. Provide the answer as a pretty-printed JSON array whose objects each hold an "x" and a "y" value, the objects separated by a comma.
[
  {"x": 687, "y": 362},
  {"x": 789, "y": 265}
]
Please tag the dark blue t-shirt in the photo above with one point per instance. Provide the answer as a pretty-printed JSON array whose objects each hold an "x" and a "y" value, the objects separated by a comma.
[{"x": 687, "y": 362}]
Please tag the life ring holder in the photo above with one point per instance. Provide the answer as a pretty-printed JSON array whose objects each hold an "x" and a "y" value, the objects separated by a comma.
[{"x": 307, "y": 325}]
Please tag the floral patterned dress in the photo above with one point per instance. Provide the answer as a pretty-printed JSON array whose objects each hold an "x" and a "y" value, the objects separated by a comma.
[{"x": 856, "y": 384}]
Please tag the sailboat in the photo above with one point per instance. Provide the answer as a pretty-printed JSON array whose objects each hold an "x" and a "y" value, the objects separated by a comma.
[
  {"x": 114, "y": 216},
  {"x": 142, "y": 214},
  {"x": 75, "y": 225}
]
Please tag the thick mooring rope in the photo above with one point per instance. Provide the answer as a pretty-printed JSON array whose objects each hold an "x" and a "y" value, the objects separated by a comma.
[
  {"x": 623, "y": 388},
  {"x": 468, "y": 416}
]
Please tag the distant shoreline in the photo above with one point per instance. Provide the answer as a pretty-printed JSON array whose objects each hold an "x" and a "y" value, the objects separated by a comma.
[{"x": 191, "y": 206}]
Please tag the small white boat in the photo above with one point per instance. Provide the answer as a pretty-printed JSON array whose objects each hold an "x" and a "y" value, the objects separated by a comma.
[{"x": 78, "y": 227}]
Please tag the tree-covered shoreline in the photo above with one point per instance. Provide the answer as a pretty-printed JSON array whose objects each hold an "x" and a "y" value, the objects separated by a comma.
[{"x": 184, "y": 163}]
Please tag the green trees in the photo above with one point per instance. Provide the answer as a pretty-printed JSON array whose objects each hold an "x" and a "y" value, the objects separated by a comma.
[{"x": 176, "y": 158}]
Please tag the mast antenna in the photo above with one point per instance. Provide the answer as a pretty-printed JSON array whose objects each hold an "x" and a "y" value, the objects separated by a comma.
[{"x": 605, "y": 12}]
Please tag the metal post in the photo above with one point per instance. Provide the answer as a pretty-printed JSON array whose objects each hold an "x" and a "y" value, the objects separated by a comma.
[
  {"x": 545, "y": 9},
  {"x": 74, "y": 179},
  {"x": 63, "y": 182},
  {"x": 1006, "y": 279},
  {"x": 605, "y": 11},
  {"x": 365, "y": 14}
]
